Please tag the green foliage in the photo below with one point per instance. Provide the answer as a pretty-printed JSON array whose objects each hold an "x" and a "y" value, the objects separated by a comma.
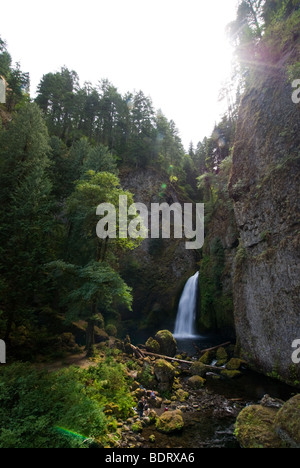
[
  {"x": 110, "y": 386},
  {"x": 41, "y": 410},
  {"x": 5, "y": 60},
  {"x": 215, "y": 307},
  {"x": 60, "y": 410},
  {"x": 95, "y": 283},
  {"x": 26, "y": 214},
  {"x": 125, "y": 126},
  {"x": 241, "y": 255},
  {"x": 18, "y": 82}
]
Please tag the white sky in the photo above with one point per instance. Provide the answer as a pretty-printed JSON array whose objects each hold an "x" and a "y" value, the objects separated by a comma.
[{"x": 175, "y": 51}]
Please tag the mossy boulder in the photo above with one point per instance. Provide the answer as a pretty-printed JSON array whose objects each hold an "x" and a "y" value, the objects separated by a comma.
[
  {"x": 221, "y": 356},
  {"x": 167, "y": 343},
  {"x": 146, "y": 375},
  {"x": 287, "y": 422},
  {"x": 181, "y": 395},
  {"x": 207, "y": 358},
  {"x": 231, "y": 374},
  {"x": 268, "y": 426},
  {"x": 255, "y": 428},
  {"x": 234, "y": 364},
  {"x": 196, "y": 382},
  {"x": 164, "y": 373},
  {"x": 198, "y": 368},
  {"x": 137, "y": 426},
  {"x": 170, "y": 422},
  {"x": 152, "y": 416},
  {"x": 152, "y": 346}
]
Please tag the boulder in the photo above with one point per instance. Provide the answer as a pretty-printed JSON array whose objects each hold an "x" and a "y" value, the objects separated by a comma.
[
  {"x": 207, "y": 358},
  {"x": 164, "y": 373},
  {"x": 196, "y": 382},
  {"x": 167, "y": 343},
  {"x": 198, "y": 368},
  {"x": 156, "y": 403},
  {"x": 170, "y": 422},
  {"x": 235, "y": 364},
  {"x": 137, "y": 426},
  {"x": 287, "y": 422},
  {"x": 152, "y": 346},
  {"x": 146, "y": 375},
  {"x": 231, "y": 374},
  {"x": 255, "y": 428},
  {"x": 221, "y": 356},
  {"x": 181, "y": 395}
]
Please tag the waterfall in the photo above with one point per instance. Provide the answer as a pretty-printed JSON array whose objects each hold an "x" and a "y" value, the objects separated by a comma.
[{"x": 186, "y": 316}]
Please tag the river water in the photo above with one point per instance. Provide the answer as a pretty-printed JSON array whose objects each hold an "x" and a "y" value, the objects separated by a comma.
[{"x": 211, "y": 423}]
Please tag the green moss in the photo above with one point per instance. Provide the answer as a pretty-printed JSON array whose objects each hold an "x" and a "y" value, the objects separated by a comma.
[
  {"x": 287, "y": 421},
  {"x": 241, "y": 254},
  {"x": 254, "y": 428},
  {"x": 207, "y": 358},
  {"x": 181, "y": 395},
  {"x": 234, "y": 364},
  {"x": 167, "y": 343},
  {"x": 231, "y": 374},
  {"x": 170, "y": 422},
  {"x": 164, "y": 365},
  {"x": 137, "y": 427},
  {"x": 196, "y": 382},
  {"x": 221, "y": 356},
  {"x": 198, "y": 368},
  {"x": 152, "y": 346},
  {"x": 215, "y": 306}
]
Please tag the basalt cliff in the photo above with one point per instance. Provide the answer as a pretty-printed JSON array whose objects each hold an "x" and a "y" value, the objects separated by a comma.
[{"x": 264, "y": 186}]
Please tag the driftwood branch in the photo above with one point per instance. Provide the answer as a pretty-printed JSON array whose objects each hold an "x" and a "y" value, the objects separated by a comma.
[
  {"x": 141, "y": 355},
  {"x": 138, "y": 352},
  {"x": 203, "y": 351}
]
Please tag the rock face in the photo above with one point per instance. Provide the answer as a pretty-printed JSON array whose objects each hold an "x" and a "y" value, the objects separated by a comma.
[
  {"x": 158, "y": 269},
  {"x": 264, "y": 185}
]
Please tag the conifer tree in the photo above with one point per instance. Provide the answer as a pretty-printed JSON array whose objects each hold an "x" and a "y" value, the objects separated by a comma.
[{"x": 26, "y": 221}]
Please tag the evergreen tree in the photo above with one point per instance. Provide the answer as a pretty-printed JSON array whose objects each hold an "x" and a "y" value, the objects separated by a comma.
[
  {"x": 26, "y": 220},
  {"x": 5, "y": 60},
  {"x": 56, "y": 96}
]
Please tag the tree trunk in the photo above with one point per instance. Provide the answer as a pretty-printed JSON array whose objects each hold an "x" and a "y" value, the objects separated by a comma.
[{"x": 90, "y": 336}]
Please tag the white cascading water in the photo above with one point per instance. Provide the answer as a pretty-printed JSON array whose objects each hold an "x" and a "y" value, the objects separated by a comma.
[{"x": 186, "y": 316}]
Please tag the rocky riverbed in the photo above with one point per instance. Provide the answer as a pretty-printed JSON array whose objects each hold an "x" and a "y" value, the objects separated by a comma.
[
  {"x": 195, "y": 406},
  {"x": 207, "y": 421}
]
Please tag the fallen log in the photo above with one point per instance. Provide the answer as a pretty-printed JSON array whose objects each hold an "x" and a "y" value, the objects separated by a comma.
[
  {"x": 181, "y": 361},
  {"x": 203, "y": 351},
  {"x": 139, "y": 354}
]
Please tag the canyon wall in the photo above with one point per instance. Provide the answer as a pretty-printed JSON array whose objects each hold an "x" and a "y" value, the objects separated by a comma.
[{"x": 265, "y": 188}]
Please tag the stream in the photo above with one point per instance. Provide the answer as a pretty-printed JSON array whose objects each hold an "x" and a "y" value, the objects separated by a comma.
[{"x": 210, "y": 413}]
